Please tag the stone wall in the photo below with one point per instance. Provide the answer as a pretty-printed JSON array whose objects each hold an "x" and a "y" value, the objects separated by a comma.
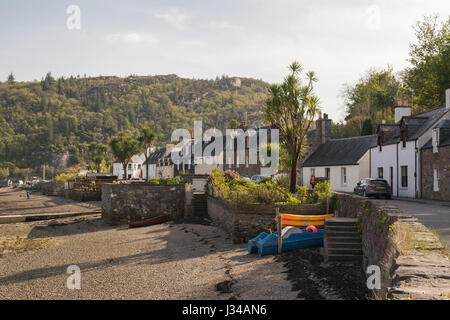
[
  {"x": 441, "y": 162},
  {"x": 387, "y": 241},
  {"x": 52, "y": 188},
  {"x": 244, "y": 223},
  {"x": 129, "y": 202}
]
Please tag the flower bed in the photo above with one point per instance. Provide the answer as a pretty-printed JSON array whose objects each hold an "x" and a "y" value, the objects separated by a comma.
[{"x": 243, "y": 209}]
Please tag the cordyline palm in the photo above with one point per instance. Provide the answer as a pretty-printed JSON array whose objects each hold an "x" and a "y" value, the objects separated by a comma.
[
  {"x": 146, "y": 139},
  {"x": 291, "y": 108}
]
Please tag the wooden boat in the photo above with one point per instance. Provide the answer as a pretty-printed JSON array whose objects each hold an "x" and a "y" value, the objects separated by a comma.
[
  {"x": 149, "y": 221},
  {"x": 266, "y": 243},
  {"x": 302, "y": 221}
]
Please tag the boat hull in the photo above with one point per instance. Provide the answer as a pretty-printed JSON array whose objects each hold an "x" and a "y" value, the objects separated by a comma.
[
  {"x": 302, "y": 221},
  {"x": 268, "y": 243},
  {"x": 149, "y": 221}
]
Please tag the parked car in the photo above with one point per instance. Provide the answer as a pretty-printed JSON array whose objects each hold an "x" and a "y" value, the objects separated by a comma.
[
  {"x": 373, "y": 188},
  {"x": 257, "y": 178}
]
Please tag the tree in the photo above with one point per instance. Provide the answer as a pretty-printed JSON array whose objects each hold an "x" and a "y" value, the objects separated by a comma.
[
  {"x": 367, "y": 128},
  {"x": 291, "y": 108},
  {"x": 97, "y": 153},
  {"x": 11, "y": 78},
  {"x": 146, "y": 139},
  {"x": 233, "y": 124},
  {"x": 124, "y": 148},
  {"x": 430, "y": 58}
]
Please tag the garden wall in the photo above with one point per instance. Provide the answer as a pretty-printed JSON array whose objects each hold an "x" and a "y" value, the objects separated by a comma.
[
  {"x": 129, "y": 202},
  {"x": 244, "y": 223},
  {"x": 389, "y": 240}
]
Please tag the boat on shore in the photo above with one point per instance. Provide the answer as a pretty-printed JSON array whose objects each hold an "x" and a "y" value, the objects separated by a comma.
[
  {"x": 292, "y": 238},
  {"x": 149, "y": 221},
  {"x": 302, "y": 221}
]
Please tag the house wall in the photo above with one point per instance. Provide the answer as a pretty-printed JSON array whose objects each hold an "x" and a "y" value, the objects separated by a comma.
[
  {"x": 407, "y": 157},
  {"x": 151, "y": 169},
  {"x": 364, "y": 166},
  {"x": 441, "y": 162},
  {"x": 119, "y": 172},
  {"x": 385, "y": 159},
  {"x": 353, "y": 174}
]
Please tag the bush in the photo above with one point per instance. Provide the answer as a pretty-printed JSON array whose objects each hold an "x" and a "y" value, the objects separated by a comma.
[
  {"x": 65, "y": 177},
  {"x": 322, "y": 191},
  {"x": 164, "y": 181}
]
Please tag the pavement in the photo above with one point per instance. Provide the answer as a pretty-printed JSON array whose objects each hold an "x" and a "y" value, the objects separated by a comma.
[{"x": 433, "y": 214}]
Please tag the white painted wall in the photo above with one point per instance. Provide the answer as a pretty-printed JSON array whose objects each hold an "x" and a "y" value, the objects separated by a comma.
[
  {"x": 134, "y": 171},
  {"x": 353, "y": 176},
  {"x": 385, "y": 159}
]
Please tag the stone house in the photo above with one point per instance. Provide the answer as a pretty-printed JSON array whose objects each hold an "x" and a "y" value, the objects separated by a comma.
[{"x": 435, "y": 163}]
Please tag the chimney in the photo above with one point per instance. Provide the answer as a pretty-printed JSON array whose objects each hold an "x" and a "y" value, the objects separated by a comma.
[
  {"x": 323, "y": 127},
  {"x": 401, "y": 112},
  {"x": 447, "y": 99}
]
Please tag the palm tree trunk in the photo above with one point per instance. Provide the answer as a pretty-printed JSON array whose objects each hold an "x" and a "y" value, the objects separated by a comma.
[
  {"x": 293, "y": 183},
  {"x": 146, "y": 167}
]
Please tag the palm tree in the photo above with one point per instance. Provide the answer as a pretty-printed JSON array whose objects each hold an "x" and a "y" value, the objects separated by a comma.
[
  {"x": 146, "y": 139},
  {"x": 291, "y": 108}
]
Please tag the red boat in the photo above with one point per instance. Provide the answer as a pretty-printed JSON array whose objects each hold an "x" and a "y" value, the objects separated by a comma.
[{"x": 149, "y": 221}]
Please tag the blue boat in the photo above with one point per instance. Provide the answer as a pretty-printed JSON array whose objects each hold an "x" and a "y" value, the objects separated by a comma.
[{"x": 298, "y": 238}]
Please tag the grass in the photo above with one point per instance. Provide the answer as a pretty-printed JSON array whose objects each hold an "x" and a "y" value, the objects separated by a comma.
[
  {"x": 20, "y": 244},
  {"x": 403, "y": 238},
  {"x": 444, "y": 249}
]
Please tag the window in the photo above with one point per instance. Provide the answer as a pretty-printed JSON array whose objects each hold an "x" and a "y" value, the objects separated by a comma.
[
  {"x": 404, "y": 171},
  {"x": 313, "y": 172},
  {"x": 129, "y": 166},
  {"x": 344, "y": 175},
  {"x": 435, "y": 180},
  {"x": 327, "y": 173},
  {"x": 435, "y": 140},
  {"x": 380, "y": 172}
]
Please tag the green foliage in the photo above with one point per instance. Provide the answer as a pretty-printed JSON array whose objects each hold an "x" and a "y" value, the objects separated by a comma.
[
  {"x": 291, "y": 108},
  {"x": 430, "y": 58},
  {"x": 302, "y": 193},
  {"x": 41, "y": 119},
  {"x": 4, "y": 173},
  {"x": 146, "y": 140},
  {"x": 97, "y": 153},
  {"x": 242, "y": 191},
  {"x": 164, "y": 181},
  {"x": 124, "y": 148},
  {"x": 323, "y": 191},
  {"x": 65, "y": 177},
  {"x": 367, "y": 127}
]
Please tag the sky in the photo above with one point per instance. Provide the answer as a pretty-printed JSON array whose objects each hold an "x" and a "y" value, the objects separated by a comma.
[{"x": 202, "y": 39}]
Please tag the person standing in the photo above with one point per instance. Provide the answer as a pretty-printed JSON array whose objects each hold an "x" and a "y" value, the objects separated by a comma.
[{"x": 313, "y": 182}]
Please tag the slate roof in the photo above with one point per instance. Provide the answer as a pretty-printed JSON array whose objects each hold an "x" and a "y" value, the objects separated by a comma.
[
  {"x": 417, "y": 125},
  {"x": 444, "y": 140},
  {"x": 345, "y": 151}
]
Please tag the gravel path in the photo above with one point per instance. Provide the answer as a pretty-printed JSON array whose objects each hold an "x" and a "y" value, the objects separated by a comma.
[{"x": 168, "y": 261}]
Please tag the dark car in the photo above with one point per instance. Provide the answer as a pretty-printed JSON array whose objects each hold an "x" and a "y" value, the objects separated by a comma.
[{"x": 373, "y": 188}]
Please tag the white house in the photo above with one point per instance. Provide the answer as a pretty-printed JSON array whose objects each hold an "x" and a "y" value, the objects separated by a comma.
[
  {"x": 133, "y": 168},
  {"x": 396, "y": 155},
  {"x": 343, "y": 161}
]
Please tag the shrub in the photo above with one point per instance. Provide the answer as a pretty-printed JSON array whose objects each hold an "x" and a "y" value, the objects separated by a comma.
[
  {"x": 322, "y": 191},
  {"x": 282, "y": 181},
  {"x": 65, "y": 177},
  {"x": 230, "y": 175}
]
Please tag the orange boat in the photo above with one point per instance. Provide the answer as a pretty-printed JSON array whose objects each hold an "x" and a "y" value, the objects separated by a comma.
[{"x": 302, "y": 221}]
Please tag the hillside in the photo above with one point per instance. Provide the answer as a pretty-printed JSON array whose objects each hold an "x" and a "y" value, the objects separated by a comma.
[{"x": 52, "y": 120}]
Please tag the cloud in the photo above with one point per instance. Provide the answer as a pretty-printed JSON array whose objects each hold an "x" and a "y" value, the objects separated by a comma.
[
  {"x": 131, "y": 38},
  {"x": 221, "y": 25},
  {"x": 174, "y": 17}
]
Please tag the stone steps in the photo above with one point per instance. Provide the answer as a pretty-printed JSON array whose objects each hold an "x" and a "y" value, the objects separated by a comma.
[
  {"x": 200, "y": 204},
  {"x": 342, "y": 241}
]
